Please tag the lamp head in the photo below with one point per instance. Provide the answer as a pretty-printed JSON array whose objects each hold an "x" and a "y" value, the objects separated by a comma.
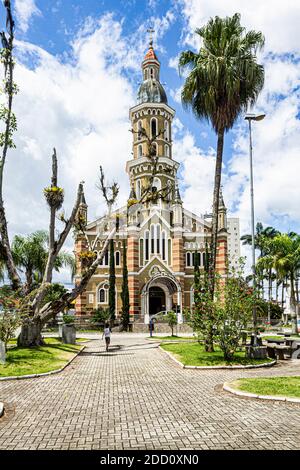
[{"x": 255, "y": 117}]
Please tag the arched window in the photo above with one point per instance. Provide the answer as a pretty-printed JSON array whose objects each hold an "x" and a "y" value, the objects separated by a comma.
[
  {"x": 103, "y": 294},
  {"x": 140, "y": 150},
  {"x": 153, "y": 127},
  {"x": 139, "y": 129},
  {"x": 188, "y": 259},
  {"x": 155, "y": 147},
  {"x": 167, "y": 151},
  {"x": 146, "y": 74},
  {"x": 117, "y": 255},
  {"x": 151, "y": 73},
  {"x": 167, "y": 131}
]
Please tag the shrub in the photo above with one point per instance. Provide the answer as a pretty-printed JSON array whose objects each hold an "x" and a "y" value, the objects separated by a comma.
[
  {"x": 101, "y": 315},
  {"x": 9, "y": 322},
  {"x": 172, "y": 320},
  {"x": 68, "y": 319}
]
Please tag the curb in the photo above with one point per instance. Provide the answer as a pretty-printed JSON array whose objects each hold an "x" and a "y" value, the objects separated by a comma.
[
  {"x": 240, "y": 393},
  {"x": 258, "y": 366},
  {"x": 44, "y": 374}
]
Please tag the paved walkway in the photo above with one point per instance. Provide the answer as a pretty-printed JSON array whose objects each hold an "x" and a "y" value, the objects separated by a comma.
[{"x": 135, "y": 397}]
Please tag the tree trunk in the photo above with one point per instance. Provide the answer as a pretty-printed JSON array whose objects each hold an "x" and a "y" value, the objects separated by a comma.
[
  {"x": 6, "y": 250},
  {"x": 269, "y": 296},
  {"x": 31, "y": 333},
  {"x": 293, "y": 306},
  {"x": 214, "y": 234}
]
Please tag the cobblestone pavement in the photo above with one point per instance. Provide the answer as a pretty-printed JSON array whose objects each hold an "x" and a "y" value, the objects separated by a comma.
[{"x": 136, "y": 397}]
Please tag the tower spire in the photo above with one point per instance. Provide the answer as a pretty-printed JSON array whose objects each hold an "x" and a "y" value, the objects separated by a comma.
[{"x": 150, "y": 31}]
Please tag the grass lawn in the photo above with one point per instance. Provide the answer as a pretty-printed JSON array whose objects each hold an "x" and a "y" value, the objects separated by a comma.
[
  {"x": 174, "y": 338},
  {"x": 195, "y": 355},
  {"x": 279, "y": 386},
  {"x": 23, "y": 361},
  {"x": 276, "y": 337}
]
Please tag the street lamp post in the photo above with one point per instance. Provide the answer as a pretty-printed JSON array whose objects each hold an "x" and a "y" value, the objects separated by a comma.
[{"x": 250, "y": 118}]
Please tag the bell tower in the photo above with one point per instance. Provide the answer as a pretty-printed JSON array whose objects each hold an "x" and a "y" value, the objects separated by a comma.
[{"x": 152, "y": 171}]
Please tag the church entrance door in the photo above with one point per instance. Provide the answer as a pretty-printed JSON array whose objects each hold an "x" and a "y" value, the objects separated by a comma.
[{"x": 157, "y": 300}]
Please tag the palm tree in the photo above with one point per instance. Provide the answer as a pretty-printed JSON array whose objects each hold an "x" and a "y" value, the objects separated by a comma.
[
  {"x": 284, "y": 255},
  {"x": 30, "y": 257},
  {"x": 224, "y": 80},
  {"x": 261, "y": 239}
]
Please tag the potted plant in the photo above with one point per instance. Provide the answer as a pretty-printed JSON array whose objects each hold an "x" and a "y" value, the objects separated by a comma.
[{"x": 68, "y": 329}]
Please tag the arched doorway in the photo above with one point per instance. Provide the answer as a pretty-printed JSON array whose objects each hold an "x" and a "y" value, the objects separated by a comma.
[
  {"x": 157, "y": 300},
  {"x": 161, "y": 293}
]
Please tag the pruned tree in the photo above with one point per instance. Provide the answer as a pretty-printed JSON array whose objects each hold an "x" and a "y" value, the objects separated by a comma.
[
  {"x": 9, "y": 121},
  {"x": 35, "y": 309},
  {"x": 148, "y": 193}
]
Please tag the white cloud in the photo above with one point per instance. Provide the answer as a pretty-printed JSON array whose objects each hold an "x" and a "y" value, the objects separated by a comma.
[
  {"x": 277, "y": 138},
  {"x": 176, "y": 94},
  {"x": 278, "y": 20},
  {"x": 79, "y": 105},
  {"x": 25, "y": 10}
]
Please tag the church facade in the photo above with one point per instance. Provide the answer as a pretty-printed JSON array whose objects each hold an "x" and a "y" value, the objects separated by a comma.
[{"x": 162, "y": 237}]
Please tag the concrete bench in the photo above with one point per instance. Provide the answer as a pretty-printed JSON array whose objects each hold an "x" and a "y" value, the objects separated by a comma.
[{"x": 276, "y": 351}]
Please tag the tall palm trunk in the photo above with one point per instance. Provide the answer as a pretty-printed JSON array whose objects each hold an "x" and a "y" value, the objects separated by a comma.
[
  {"x": 209, "y": 344},
  {"x": 217, "y": 185}
]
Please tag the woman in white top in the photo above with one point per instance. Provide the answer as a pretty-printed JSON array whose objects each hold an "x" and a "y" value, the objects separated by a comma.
[{"x": 107, "y": 334}]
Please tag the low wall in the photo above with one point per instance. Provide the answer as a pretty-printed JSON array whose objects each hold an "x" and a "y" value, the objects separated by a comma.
[{"x": 161, "y": 328}]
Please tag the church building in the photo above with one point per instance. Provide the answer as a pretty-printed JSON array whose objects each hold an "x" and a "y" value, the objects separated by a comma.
[{"x": 162, "y": 237}]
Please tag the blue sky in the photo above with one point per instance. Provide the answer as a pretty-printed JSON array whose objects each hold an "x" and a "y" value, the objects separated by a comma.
[{"x": 78, "y": 70}]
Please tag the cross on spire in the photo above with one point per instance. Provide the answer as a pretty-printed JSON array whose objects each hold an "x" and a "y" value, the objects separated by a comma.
[{"x": 150, "y": 31}]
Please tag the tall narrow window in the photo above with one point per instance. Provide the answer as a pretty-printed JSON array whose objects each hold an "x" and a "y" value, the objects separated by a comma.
[
  {"x": 170, "y": 251},
  {"x": 139, "y": 130},
  {"x": 152, "y": 239},
  {"x": 151, "y": 73},
  {"x": 138, "y": 189},
  {"x": 141, "y": 252},
  {"x": 163, "y": 245},
  {"x": 167, "y": 154},
  {"x": 188, "y": 259},
  {"x": 117, "y": 255},
  {"x": 102, "y": 296},
  {"x": 147, "y": 245},
  {"x": 106, "y": 258},
  {"x": 167, "y": 133},
  {"x": 158, "y": 238},
  {"x": 140, "y": 150},
  {"x": 153, "y": 127}
]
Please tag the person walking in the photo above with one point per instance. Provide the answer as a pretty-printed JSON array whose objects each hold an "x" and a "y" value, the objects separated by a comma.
[{"x": 107, "y": 335}]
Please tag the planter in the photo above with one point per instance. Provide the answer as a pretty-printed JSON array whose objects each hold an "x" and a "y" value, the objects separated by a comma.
[
  {"x": 2, "y": 353},
  {"x": 256, "y": 352},
  {"x": 69, "y": 333}
]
